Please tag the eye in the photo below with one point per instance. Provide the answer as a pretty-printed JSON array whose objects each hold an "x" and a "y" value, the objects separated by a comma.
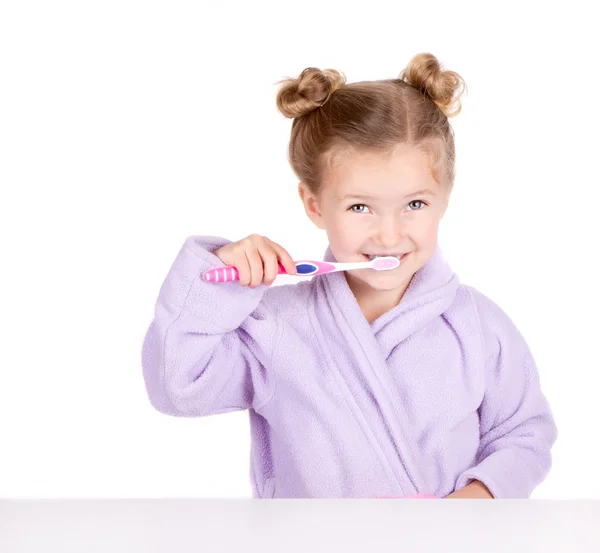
[
  {"x": 417, "y": 202},
  {"x": 359, "y": 208}
]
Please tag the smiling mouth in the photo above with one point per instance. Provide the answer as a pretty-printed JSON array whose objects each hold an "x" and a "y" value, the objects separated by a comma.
[{"x": 399, "y": 256}]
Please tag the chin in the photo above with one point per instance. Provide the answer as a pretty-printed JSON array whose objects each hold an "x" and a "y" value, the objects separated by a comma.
[
  {"x": 389, "y": 286},
  {"x": 383, "y": 281}
]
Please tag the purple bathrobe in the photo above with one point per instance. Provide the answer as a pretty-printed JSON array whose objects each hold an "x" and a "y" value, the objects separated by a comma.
[{"x": 437, "y": 392}]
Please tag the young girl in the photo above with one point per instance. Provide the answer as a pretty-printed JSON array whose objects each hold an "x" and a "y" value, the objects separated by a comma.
[{"x": 362, "y": 383}]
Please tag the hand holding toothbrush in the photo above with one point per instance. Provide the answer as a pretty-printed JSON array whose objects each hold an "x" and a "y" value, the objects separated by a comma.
[
  {"x": 254, "y": 260},
  {"x": 257, "y": 260}
]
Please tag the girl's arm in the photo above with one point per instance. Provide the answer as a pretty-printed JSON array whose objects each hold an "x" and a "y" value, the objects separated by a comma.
[
  {"x": 206, "y": 350},
  {"x": 516, "y": 424}
]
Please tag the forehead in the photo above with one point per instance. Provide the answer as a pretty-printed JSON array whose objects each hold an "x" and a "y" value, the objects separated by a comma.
[{"x": 399, "y": 171}]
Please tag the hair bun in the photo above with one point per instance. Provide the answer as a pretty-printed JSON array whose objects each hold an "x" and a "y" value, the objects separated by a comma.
[
  {"x": 425, "y": 73},
  {"x": 310, "y": 90}
]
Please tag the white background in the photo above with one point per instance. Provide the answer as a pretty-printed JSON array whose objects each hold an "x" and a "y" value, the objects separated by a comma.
[{"x": 127, "y": 126}]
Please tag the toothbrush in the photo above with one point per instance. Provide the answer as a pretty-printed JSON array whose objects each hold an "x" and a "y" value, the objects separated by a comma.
[{"x": 307, "y": 268}]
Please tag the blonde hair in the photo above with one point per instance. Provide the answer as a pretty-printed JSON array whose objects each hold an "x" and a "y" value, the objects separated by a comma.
[{"x": 333, "y": 118}]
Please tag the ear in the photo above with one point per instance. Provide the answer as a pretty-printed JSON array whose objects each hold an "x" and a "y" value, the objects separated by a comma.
[
  {"x": 446, "y": 201},
  {"x": 444, "y": 208},
  {"x": 311, "y": 205}
]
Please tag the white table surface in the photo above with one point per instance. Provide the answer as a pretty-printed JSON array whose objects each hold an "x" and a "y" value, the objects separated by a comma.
[{"x": 307, "y": 526}]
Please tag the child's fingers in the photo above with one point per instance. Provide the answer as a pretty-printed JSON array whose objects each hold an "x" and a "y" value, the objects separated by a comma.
[
  {"x": 243, "y": 268},
  {"x": 270, "y": 264},
  {"x": 256, "y": 267},
  {"x": 284, "y": 257}
]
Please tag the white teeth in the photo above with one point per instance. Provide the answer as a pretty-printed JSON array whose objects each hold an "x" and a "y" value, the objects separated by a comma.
[{"x": 371, "y": 257}]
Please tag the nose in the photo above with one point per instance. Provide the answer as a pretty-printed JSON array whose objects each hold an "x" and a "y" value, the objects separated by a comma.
[{"x": 389, "y": 233}]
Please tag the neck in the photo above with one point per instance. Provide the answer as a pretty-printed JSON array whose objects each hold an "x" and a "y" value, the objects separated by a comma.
[{"x": 374, "y": 303}]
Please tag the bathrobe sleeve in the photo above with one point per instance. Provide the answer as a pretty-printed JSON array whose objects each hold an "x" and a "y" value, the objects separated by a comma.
[
  {"x": 207, "y": 346},
  {"x": 516, "y": 424}
]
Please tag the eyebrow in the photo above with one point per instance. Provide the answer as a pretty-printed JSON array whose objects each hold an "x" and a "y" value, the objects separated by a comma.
[{"x": 424, "y": 192}]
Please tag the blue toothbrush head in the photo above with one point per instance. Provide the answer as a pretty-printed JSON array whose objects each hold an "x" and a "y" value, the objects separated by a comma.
[{"x": 306, "y": 268}]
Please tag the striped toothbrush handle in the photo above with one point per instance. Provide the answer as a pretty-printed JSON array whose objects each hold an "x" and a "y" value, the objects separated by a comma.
[
  {"x": 228, "y": 274},
  {"x": 303, "y": 268}
]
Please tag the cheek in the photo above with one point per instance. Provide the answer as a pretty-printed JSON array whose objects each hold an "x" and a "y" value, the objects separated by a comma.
[
  {"x": 342, "y": 233},
  {"x": 426, "y": 230}
]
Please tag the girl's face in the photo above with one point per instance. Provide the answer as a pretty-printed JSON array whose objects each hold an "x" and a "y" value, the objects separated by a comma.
[{"x": 374, "y": 204}]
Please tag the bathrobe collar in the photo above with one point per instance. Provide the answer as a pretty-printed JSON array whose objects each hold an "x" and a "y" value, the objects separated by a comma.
[{"x": 337, "y": 317}]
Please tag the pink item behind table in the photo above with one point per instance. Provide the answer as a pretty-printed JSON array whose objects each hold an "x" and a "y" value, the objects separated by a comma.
[{"x": 419, "y": 496}]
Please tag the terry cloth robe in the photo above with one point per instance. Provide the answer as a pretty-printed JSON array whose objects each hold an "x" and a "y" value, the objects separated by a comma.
[{"x": 439, "y": 391}]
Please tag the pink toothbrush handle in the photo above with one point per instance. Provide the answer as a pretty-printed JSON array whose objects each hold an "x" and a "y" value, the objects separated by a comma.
[
  {"x": 303, "y": 268},
  {"x": 228, "y": 274}
]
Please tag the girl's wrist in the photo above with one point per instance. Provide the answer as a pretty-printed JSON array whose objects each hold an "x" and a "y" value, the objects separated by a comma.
[{"x": 473, "y": 490}]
